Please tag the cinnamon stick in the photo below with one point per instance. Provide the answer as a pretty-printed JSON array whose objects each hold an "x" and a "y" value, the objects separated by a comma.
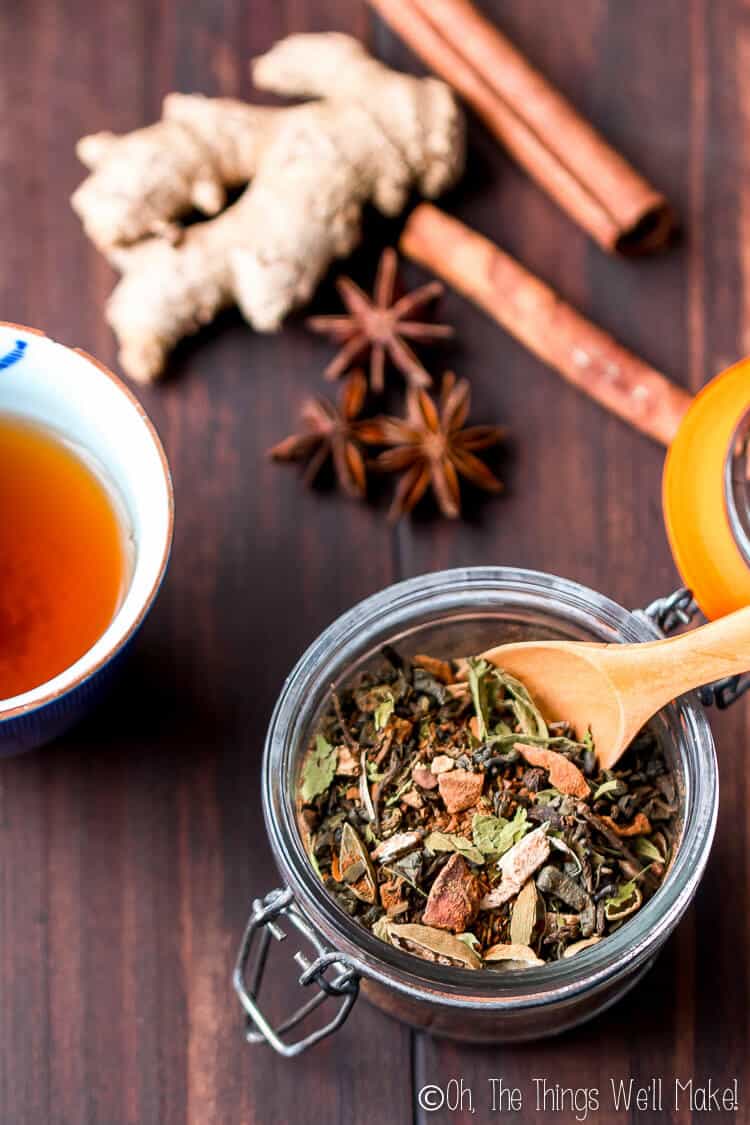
[
  {"x": 554, "y": 331},
  {"x": 541, "y": 130}
]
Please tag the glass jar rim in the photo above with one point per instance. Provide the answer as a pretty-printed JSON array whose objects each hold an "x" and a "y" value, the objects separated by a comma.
[{"x": 389, "y": 610}]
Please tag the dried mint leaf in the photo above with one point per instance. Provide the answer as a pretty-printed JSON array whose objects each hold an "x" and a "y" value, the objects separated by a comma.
[
  {"x": 494, "y": 835},
  {"x": 319, "y": 769},
  {"x": 447, "y": 842}
]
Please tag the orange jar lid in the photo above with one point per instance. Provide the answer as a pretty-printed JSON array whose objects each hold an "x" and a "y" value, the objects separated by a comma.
[{"x": 697, "y": 495}]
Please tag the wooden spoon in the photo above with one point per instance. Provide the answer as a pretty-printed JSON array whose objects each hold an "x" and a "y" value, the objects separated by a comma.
[{"x": 614, "y": 689}]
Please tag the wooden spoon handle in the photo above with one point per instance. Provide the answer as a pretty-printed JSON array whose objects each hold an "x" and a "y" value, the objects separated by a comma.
[{"x": 661, "y": 670}]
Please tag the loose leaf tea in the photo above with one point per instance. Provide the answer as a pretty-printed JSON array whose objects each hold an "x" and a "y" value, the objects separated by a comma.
[
  {"x": 320, "y": 768},
  {"x": 446, "y": 815}
]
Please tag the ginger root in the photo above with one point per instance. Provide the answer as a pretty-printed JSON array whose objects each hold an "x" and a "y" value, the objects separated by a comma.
[{"x": 372, "y": 136}]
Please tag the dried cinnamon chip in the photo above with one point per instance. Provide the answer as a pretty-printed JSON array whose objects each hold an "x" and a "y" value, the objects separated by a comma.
[
  {"x": 563, "y": 774},
  {"x": 412, "y": 799},
  {"x": 440, "y": 669},
  {"x": 460, "y": 789},
  {"x": 392, "y": 897},
  {"x": 453, "y": 901},
  {"x": 640, "y": 825},
  {"x": 425, "y": 778}
]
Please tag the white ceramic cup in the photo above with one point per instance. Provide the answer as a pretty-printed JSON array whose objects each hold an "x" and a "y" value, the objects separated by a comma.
[{"x": 78, "y": 398}]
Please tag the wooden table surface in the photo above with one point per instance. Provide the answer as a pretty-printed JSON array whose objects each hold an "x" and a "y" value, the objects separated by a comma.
[{"x": 129, "y": 851}]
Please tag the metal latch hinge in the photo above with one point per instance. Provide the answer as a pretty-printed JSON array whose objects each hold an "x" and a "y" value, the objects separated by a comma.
[{"x": 333, "y": 973}]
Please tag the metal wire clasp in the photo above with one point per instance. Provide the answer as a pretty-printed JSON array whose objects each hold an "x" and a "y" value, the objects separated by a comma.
[
  {"x": 678, "y": 609},
  {"x": 248, "y": 976}
]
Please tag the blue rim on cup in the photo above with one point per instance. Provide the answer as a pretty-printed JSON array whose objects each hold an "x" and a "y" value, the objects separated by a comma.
[{"x": 78, "y": 398}]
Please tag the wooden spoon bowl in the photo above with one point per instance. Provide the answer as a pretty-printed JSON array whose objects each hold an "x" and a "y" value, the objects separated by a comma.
[{"x": 612, "y": 690}]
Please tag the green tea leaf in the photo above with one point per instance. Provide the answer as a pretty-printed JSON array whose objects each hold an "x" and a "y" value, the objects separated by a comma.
[
  {"x": 622, "y": 896},
  {"x": 606, "y": 787},
  {"x": 527, "y": 714},
  {"x": 616, "y": 903},
  {"x": 494, "y": 835},
  {"x": 646, "y": 850},
  {"x": 319, "y": 769},
  {"x": 446, "y": 842},
  {"x": 547, "y": 794},
  {"x": 383, "y": 712},
  {"x": 478, "y": 671}
]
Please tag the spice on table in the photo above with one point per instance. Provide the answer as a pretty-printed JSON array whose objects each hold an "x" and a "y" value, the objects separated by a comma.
[
  {"x": 381, "y": 325},
  {"x": 370, "y": 135},
  {"x": 559, "y": 149},
  {"x": 534, "y": 314},
  {"x": 430, "y": 446},
  {"x": 493, "y": 866},
  {"x": 330, "y": 432}
]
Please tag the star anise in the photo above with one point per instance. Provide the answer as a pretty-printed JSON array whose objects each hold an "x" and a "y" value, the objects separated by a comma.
[
  {"x": 330, "y": 431},
  {"x": 430, "y": 446},
  {"x": 381, "y": 325}
]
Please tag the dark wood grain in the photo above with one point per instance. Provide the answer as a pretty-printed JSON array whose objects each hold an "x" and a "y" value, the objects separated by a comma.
[{"x": 129, "y": 851}]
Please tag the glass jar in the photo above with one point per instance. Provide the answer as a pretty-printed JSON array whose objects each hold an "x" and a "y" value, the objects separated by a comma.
[{"x": 459, "y": 611}]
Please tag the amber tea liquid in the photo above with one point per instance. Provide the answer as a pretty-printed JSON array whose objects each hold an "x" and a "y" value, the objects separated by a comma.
[{"x": 63, "y": 556}]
